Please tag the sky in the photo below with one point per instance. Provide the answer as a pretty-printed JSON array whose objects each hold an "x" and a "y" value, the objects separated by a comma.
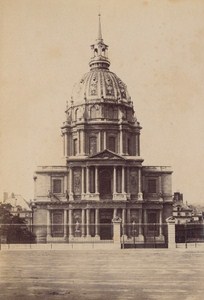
[{"x": 156, "y": 47}]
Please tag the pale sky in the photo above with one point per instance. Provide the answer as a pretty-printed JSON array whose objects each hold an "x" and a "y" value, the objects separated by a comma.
[{"x": 156, "y": 47}]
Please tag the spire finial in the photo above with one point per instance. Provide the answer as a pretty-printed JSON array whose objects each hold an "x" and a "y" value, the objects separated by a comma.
[
  {"x": 99, "y": 27},
  {"x": 100, "y": 51}
]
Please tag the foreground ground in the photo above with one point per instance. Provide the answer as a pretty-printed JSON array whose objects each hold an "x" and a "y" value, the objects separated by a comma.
[{"x": 100, "y": 274}]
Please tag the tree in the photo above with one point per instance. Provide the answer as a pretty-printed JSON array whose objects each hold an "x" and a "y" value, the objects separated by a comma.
[{"x": 13, "y": 228}]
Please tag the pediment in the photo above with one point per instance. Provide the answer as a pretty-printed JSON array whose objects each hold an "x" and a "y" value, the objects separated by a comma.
[{"x": 106, "y": 154}]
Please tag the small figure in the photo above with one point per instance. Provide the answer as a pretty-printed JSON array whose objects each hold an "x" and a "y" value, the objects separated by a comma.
[{"x": 77, "y": 227}]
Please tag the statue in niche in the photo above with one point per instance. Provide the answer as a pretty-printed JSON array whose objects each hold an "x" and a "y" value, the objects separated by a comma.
[{"x": 77, "y": 226}]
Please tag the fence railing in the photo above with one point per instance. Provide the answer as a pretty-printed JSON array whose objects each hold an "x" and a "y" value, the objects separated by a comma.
[
  {"x": 189, "y": 233},
  {"x": 132, "y": 235},
  {"x": 135, "y": 235},
  {"x": 67, "y": 233}
]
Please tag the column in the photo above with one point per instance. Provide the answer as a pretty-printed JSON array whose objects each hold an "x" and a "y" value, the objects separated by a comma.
[
  {"x": 65, "y": 223},
  {"x": 145, "y": 222},
  {"x": 71, "y": 145},
  {"x": 124, "y": 220},
  {"x": 121, "y": 141},
  {"x": 65, "y": 186},
  {"x": 114, "y": 180},
  {"x": 160, "y": 187},
  {"x": 48, "y": 224},
  {"x": 82, "y": 182},
  {"x": 128, "y": 175},
  {"x": 88, "y": 222},
  {"x": 65, "y": 145},
  {"x": 160, "y": 222},
  {"x": 87, "y": 180},
  {"x": 70, "y": 224},
  {"x": 141, "y": 237},
  {"x": 140, "y": 221},
  {"x": 96, "y": 180},
  {"x": 99, "y": 141},
  {"x": 140, "y": 196},
  {"x": 138, "y": 144},
  {"x": 96, "y": 222},
  {"x": 78, "y": 142},
  {"x": 114, "y": 213},
  {"x": 81, "y": 135},
  {"x": 70, "y": 184},
  {"x": 123, "y": 180},
  {"x": 83, "y": 222},
  {"x": 104, "y": 140},
  {"x": 82, "y": 140}
]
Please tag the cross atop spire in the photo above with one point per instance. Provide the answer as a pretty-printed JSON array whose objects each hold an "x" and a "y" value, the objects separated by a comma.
[
  {"x": 99, "y": 51},
  {"x": 99, "y": 28}
]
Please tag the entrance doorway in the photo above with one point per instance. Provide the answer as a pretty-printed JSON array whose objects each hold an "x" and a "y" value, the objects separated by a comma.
[
  {"x": 106, "y": 226},
  {"x": 105, "y": 183}
]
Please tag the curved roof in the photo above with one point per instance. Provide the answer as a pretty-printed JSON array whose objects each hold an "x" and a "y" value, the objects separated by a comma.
[{"x": 99, "y": 84}]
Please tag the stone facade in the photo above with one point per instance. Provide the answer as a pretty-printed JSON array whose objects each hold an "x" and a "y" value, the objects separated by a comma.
[{"x": 103, "y": 177}]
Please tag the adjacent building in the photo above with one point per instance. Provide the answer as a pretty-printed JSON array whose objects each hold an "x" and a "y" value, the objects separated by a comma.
[{"x": 103, "y": 176}]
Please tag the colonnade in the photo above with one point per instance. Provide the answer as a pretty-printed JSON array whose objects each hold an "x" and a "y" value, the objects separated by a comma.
[
  {"x": 82, "y": 228},
  {"x": 102, "y": 142},
  {"x": 69, "y": 222},
  {"x": 86, "y": 187}
]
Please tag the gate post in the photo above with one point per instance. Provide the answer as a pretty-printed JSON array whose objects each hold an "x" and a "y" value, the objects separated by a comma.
[
  {"x": 171, "y": 233},
  {"x": 116, "y": 231}
]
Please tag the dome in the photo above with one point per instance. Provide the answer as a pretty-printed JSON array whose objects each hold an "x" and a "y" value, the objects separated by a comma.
[{"x": 100, "y": 83}]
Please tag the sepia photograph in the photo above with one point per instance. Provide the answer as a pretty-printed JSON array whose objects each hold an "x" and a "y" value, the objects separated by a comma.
[{"x": 102, "y": 149}]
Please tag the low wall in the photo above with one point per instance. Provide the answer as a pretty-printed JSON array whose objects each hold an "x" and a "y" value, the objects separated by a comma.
[{"x": 60, "y": 246}]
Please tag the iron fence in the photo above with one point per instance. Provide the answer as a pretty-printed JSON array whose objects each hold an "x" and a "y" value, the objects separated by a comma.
[
  {"x": 56, "y": 233},
  {"x": 140, "y": 235},
  {"x": 189, "y": 233},
  {"x": 132, "y": 235}
]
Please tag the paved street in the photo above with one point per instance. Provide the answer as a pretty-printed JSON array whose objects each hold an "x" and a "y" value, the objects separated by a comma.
[{"x": 98, "y": 274}]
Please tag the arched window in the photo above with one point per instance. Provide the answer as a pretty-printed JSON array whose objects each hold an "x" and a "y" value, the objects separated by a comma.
[{"x": 92, "y": 145}]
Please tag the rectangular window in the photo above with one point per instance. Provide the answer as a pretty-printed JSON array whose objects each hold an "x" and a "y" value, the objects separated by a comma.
[
  {"x": 57, "y": 186},
  {"x": 57, "y": 223},
  {"x": 75, "y": 147},
  {"x": 111, "y": 143},
  {"x": 152, "y": 186},
  {"x": 152, "y": 226},
  {"x": 92, "y": 180},
  {"x": 118, "y": 180},
  {"x": 129, "y": 146}
]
